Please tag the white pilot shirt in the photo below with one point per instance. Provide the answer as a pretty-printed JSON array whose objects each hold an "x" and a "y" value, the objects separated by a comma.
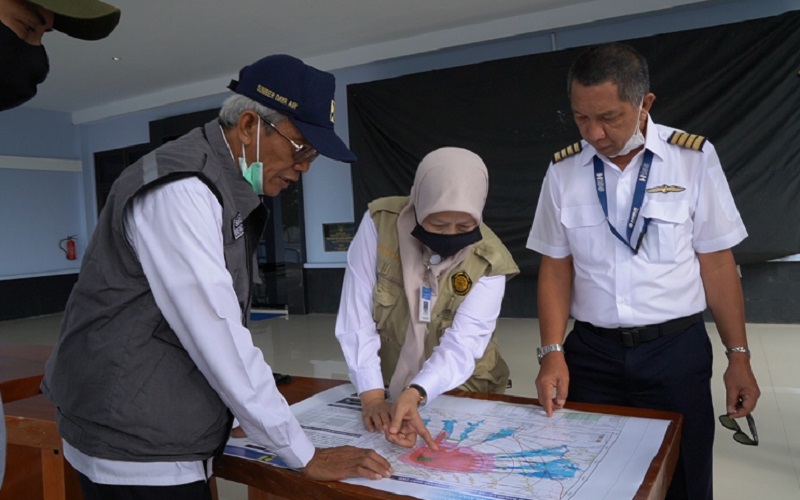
[
  {"x": 176, "y": 231},
  {"x": 692, "y": 212},
  {"x": 452, "y": 361}
]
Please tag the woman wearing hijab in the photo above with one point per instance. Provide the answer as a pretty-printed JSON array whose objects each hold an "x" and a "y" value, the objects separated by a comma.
[{"x": 424, "y": 283}]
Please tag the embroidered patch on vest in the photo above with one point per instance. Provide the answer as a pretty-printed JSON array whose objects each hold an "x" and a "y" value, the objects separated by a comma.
[
  {"x": 237, "y": 226},
  {"x": 688, "y": 141},
  {"x": 462, "y": 283},
  {"x": 666, "y": 188},
  {"x": 568, "y": 151}
]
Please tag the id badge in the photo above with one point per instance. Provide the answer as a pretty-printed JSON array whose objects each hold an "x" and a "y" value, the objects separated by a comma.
[{"x": 425, "y": 303}]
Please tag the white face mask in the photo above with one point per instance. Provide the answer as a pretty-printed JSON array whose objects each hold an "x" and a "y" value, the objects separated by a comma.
[
  {"x": 636, "y": 140},
  {"x": 254, "y": 174}
]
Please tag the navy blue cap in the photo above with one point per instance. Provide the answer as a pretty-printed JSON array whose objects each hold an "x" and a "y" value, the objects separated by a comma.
[{"x": 302, "y": 93}]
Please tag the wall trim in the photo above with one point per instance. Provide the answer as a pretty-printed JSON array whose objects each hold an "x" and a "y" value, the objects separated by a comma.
[{"x": 35, "y": 163}]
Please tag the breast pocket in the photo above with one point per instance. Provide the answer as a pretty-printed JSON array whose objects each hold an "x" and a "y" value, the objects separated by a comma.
[
  {"x": 587, "y": 232},
  {"x": 669, "y": 225}
]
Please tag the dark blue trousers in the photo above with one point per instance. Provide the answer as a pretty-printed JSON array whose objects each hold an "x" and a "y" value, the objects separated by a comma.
[{"x": 672, "y": 373}]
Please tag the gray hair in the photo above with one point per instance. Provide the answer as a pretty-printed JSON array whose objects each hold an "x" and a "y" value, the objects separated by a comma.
[
  {"x": 237, "y": 104},
  {"x": 616, "y": 63}
]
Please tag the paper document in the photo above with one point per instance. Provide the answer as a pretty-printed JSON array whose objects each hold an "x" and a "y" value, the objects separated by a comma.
[{"x": 489, "y": 449}]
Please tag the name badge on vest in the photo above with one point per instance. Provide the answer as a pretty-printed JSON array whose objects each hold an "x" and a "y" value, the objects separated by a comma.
[
  {"x": 425, "y": 303},
  {"x": 238, "y": 226}
]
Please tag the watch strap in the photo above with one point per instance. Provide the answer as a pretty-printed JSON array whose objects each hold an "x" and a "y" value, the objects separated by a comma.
[
  {"x": 743, "y": 350},
  {"x": 543, "y": 351},
  {"x": 423, "y": 394}
]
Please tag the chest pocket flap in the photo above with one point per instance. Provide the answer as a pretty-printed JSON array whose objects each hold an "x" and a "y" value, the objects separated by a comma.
[
  {"x": 582, "y": 216},
  {"x": 675, "y": 212}
]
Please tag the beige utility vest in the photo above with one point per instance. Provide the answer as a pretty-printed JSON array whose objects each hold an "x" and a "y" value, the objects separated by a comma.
[{"x": 488, "y": 257}]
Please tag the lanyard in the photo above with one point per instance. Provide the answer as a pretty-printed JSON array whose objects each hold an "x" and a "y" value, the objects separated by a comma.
[
  {"x": 636, "y": 205},
  {"x": 426, "y": 293}
]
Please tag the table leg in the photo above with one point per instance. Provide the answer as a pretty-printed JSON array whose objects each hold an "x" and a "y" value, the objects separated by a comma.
[{"x": 53, "y": 475}]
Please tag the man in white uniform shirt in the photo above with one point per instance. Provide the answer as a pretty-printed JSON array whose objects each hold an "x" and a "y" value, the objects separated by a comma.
[{"x": 635, "y": 225}]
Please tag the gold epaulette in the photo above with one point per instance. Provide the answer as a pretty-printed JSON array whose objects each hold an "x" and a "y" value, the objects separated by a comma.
[
  {"x": 688, "y": 141},
  {"x": 568, "y": 151}
]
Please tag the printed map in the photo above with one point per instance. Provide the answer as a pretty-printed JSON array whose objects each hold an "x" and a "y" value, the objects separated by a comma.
[{"x": 492, "y": 450}]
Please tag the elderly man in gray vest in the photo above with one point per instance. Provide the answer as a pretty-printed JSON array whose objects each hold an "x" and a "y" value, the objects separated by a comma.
[{"x": 154, "y": 356}]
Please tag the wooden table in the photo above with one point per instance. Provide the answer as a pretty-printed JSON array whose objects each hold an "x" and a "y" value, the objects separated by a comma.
[
  {"x": 34, "y": 465},
  {"x": 31, "y": 425},
  {"x": 268, "y": 482},
  {"x": 38, "y": 469}
]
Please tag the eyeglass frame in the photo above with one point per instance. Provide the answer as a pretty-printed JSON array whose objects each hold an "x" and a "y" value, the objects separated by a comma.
[
  {"x": 302, "y": 152},
  {"x": 733, "y": 425}
]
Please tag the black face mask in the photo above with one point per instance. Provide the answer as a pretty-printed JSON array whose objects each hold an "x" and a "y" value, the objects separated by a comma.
[
  {"x": 446, "y": 245},
  {"x": 22, "y": 68}
]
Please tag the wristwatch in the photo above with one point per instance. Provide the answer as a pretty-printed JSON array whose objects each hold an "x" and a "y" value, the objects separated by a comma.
[
  {"x": 541, "y": 352},
  {"x": 744, "y": 350},
  {"x": 423, "y": 394}
]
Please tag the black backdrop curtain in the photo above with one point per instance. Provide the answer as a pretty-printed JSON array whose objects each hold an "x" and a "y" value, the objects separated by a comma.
[{"x": 736, "y": 84}]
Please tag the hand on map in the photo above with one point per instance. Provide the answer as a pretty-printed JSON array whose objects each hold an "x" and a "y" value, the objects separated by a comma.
[
  {"x": 406, "y": 424},
  {"x": 553, "y": 377},
  {"x": 375, "y": 410},
  {"x": 341, "y": 462}
]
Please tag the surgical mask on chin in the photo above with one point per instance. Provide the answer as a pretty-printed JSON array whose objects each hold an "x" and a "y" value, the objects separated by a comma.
[
  {"x": 254, "y": 174},
  {"x": 636, "y": 140}
]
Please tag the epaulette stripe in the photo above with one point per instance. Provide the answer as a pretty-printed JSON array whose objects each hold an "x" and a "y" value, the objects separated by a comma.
[
  {"x": 672, "y": 138},
  {"x": 698, "y": 142},
  {"x": 686, "y": 140},
  {"x": 567, "y": 152}
]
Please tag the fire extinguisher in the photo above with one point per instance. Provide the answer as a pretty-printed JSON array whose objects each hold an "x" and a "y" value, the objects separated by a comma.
[{"x": 69, "y": 248}]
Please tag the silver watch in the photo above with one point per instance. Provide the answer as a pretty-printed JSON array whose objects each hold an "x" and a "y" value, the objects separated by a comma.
[
  {"x": 541, "y": 352},
  {"x": 743, "y": 350}
]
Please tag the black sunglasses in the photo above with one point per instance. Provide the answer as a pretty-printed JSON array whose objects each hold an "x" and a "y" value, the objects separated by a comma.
[{"x": 738, "y": 434}]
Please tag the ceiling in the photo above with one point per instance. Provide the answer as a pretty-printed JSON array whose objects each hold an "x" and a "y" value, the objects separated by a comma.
[{"x": 180, "y": 49}]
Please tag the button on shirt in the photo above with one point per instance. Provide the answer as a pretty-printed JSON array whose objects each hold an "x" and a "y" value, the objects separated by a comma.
[
  {"x": 693, "y": 212},
  {"x": 452, "y": 361},
  {"x": 176, "y": 231}
]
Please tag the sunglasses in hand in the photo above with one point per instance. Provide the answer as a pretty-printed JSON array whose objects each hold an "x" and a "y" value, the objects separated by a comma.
[{"x": 738, "y": 434}]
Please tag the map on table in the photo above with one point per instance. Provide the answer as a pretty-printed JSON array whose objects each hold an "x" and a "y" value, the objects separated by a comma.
[{"x": 489, "y": 449}]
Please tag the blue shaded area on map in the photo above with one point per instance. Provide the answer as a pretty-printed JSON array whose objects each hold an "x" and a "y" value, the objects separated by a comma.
[
  {"x": 471, "y": 426},
  {"x": 502, "y": 433}
]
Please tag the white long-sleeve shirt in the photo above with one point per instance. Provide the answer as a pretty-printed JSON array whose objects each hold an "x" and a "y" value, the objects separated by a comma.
[
  {"x": 176, "y": 232},
  {"x": 452, "y": 361}
]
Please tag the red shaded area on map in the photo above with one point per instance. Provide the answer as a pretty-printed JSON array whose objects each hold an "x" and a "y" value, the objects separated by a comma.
[{"x": 449, "y": 457}]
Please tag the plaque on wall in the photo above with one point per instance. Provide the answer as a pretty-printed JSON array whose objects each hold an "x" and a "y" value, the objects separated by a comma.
[{"x": 338, "y": 236}]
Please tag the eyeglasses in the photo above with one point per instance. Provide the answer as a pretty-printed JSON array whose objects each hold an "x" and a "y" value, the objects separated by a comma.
[
  {"x": 302, "y": 152},
  {"x": 738, "y": 434}
]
